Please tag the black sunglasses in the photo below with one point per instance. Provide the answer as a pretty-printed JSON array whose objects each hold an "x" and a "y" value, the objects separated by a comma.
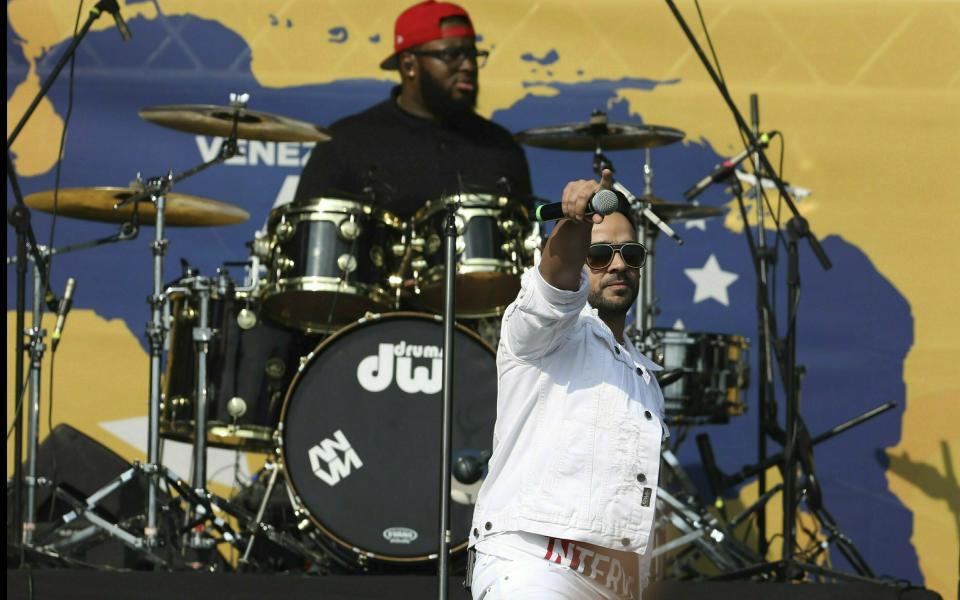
[
  {"x": 454, "y": 57},
  {"x": 599, "y": 256}
]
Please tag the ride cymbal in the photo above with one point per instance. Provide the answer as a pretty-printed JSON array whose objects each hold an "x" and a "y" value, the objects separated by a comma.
[
  {"x": 599, "y": 133},
  {"x": 96, "y": 204},
  {"x": 213, "y": 120}
]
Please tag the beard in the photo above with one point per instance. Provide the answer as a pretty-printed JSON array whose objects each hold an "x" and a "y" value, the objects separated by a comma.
[
  {"x": 615, "y": 305},
  {"x": 441, "y": 102}
]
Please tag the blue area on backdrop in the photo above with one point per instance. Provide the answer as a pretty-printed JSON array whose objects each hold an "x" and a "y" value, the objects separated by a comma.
[{"x": 855, "y": 328}]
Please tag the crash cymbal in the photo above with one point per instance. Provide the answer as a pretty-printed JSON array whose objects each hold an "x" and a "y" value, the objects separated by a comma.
[
  {"x": 676, "y": 211},
  {"x": 209, "y": 119},
  {"x": 96, "y": 204},
  {"x": 598, "y": 133}
]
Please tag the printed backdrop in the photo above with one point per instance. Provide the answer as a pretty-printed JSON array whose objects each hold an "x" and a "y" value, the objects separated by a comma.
[{"x": 867, "y": 96}]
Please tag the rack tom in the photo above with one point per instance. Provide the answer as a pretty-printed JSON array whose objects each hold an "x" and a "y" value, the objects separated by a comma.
[
  {"x": 496, "y": 242},
  {"x": 330, "y": 263}
]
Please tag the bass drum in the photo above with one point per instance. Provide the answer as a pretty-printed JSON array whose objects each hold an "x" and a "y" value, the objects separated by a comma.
[{"x": 360, "y": 436}]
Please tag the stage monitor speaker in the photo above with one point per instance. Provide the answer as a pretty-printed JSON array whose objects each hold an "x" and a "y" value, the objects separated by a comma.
[{"x": 79, "y": 466}]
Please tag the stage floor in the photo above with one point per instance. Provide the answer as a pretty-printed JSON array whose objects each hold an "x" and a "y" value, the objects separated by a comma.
[{"x": 57, "y": 584}]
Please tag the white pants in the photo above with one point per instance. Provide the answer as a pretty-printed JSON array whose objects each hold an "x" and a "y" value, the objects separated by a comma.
[{"x": 529, "y": 578}]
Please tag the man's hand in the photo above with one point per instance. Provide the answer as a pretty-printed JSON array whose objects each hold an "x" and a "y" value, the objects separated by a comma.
[
  {"x": 566, "y": 250},
  {"x": 577, "y": 195}
]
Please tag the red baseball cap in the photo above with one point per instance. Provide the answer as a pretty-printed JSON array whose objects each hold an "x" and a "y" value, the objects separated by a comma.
[{"x": 420, "y": 24}]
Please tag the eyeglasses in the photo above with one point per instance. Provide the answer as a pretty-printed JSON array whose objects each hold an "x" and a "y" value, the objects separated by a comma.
[
  {"x": 454, "y": 57},
  {"x": 599, "y": 256}
]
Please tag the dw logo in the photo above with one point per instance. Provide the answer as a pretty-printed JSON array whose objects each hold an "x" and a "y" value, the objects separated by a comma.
[
  {"x": 375, "y": 373},
  {"x": 328, "y": 465}
]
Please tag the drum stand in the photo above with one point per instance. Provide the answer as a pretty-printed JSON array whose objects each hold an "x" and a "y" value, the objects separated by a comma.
[
  {"x": 203, "y": 504},
  {"x": 700, "y": 532}
]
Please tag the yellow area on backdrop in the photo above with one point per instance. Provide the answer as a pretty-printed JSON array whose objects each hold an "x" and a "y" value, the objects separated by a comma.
[{"x": 867, "y": 93}]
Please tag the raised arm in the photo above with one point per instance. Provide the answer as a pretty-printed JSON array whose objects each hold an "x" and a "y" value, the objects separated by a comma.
[{"x": 552, "y": 296}]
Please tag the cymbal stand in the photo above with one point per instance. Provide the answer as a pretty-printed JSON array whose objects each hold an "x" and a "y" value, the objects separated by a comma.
[
  {"x": 155, "y": 191},
  {"x": 648, "y": 226}
]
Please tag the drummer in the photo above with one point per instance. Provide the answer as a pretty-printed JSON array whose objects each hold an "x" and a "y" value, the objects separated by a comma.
[{"x": 426, "y": 140}]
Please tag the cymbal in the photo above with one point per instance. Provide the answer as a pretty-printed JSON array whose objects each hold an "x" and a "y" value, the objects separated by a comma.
[
  {"x": 589, "y": 136},
  {"x": 209, "y": 119},
  {"x": 96, "y": 204},
  {"x": 676, "y": 211}
]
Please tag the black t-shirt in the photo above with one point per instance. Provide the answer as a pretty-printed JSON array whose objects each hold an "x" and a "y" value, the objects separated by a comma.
[{"x": 406, "y": 160}]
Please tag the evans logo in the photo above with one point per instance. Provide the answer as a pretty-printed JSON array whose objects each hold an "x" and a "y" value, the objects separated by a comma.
[
  {"x": 400, "y": 535},
  {"x": 395, "y": 362}
]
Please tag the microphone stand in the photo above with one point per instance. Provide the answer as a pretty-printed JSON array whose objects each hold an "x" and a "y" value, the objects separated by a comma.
[
  {"x": 751, "y": 138},
  {"x": 797, "y": 445},
  {"x": 766, "y": 407},
  {"x": 19, "y": 218},
  {"x": 446, "y": 412}
]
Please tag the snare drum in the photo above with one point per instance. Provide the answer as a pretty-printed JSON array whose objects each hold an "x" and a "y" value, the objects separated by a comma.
[
  {"x": 360, "y": 436},
  {"x": 250, "y": 364},
  {"x": 330, "y": 262},
  {"x": 715, "y": 372},
  {"x": 495, "y": 243}
]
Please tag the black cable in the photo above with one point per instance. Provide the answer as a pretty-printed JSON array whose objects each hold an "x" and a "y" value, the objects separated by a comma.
[
  {"x": 713, "y": 51},
  {"x": 63, "y": 138},
  {"x": 54, "y": 478}
]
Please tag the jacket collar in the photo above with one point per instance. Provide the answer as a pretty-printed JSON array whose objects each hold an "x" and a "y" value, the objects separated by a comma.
[{"x": 600, "y": 329}]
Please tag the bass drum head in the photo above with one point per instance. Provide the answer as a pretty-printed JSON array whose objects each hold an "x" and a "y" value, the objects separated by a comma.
[{"x": 360, "y": 435}]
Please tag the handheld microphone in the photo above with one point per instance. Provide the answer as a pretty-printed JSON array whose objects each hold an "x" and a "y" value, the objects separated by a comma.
[
  {"x": 469, "y": 469},
  {"x": 62, "y": 313},
  {"x": 727, "y": 167},
  {"x": 603, "y": 202}
]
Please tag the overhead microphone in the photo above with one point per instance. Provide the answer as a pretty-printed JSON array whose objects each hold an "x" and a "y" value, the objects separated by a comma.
[
  {"x": 603, "y": 202},
  {"x": 727, "y": 167},
  {"x": 62, "y": 313},
  {"x": 113, "y": 8}
]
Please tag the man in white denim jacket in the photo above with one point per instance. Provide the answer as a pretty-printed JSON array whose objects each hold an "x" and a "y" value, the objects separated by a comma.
[{"x": 567, "y": 508}]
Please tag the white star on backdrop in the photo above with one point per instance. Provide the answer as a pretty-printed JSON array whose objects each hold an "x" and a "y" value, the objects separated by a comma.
[
  {"x": 711, "y": 281},
  {"x": 177, "y": 455},
  {"x": 700, "y": 224},
  {"x": 678, "y": 324}
]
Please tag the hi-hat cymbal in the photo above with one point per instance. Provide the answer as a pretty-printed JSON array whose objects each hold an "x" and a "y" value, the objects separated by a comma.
[
  {"x": 209, "y": 119},
  {"x": 676, "y": 211},
  {"x": 598, "y": 133},
  {"x": 96, "y": 204}
]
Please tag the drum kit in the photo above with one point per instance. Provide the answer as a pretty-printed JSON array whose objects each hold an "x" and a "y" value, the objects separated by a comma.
[{"x": 336, "y": 287}]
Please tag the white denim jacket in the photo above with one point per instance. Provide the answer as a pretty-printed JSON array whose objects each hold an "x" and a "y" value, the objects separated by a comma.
[{"x": 576, "y": 445}]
